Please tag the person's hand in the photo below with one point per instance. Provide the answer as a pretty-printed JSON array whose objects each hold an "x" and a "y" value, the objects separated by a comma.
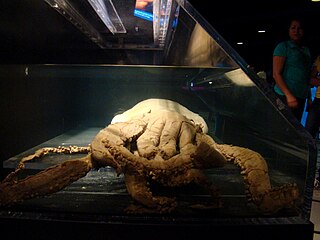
[{"x": 292, "y": 101}]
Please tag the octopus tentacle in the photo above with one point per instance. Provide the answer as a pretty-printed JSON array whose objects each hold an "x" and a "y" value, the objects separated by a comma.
[
  {"x": 192, "y": 176},
  {"x": 258, "y": 187},
  {"x": 46, "y": 182},
  {"x": 130, "y": 162},
  {"x": 40, "y": 153},
  {"x": 201, "y": 157},
  {"x": 207, "y": 155},
  {"x": 178, "y": 170},
  {"x": 138, "y": 188}
]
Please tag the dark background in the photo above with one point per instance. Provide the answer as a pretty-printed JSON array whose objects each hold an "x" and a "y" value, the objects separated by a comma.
[
  {"x": 31, "y": 32},
  {"x": 240, "y": 20}
]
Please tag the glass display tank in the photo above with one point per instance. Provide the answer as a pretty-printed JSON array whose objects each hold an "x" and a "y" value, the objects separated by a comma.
[{"x": 171, "y": 133}]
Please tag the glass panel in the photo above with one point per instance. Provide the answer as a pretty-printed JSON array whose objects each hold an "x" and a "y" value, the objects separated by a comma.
[
  {"x": 190, "y": 64},
  {"x": 98, "y": 93}
]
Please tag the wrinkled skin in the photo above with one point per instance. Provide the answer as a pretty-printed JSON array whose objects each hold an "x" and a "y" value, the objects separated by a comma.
[{"x": 157, "y": 145}]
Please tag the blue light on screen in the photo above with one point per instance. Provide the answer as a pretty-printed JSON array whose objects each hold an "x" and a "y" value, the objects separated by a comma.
[{"x": 143, "y": 14}]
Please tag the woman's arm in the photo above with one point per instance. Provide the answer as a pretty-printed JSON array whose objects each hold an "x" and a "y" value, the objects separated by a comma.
[{"x": 278, "y": 63}]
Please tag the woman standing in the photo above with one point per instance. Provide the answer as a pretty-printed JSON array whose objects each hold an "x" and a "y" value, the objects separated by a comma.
[{"x": 291, "y": 70}]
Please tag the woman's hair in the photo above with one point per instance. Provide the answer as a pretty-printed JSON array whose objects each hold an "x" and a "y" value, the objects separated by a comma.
[{"x": 298, "y": 19}]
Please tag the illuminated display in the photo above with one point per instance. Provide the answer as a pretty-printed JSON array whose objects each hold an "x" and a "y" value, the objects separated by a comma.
[{"x": 144, "y": 9}]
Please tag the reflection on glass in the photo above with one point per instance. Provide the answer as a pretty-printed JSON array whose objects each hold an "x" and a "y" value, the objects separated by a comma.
[{"x": 202, "y": 50}]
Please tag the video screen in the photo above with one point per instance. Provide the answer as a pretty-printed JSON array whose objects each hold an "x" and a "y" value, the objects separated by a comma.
[{"x": 144, "y": 9}]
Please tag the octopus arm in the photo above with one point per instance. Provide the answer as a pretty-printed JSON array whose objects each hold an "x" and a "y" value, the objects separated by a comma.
[
  {"x": 148, "y": 142},
  {"x": 207, "y": 155},
  {"x": 192, "y": 176},
  {"x": 40, "y": 153},
  {"x": 46, "y": 182},
  {"x": 138, "y": 188},
  {"x": 258, "y": 187}
]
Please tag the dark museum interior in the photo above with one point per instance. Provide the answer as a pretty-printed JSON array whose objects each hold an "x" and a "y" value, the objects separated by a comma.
[
  {"x": 241, "y": 21},
  {"x": 67, "y": 72},
  {"x": 32, "y": 34},
  {"x": 29, "y": 29}
]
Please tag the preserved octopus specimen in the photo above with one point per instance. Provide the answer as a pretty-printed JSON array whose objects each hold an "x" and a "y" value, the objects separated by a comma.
[{"x": 157, "y": 140}]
